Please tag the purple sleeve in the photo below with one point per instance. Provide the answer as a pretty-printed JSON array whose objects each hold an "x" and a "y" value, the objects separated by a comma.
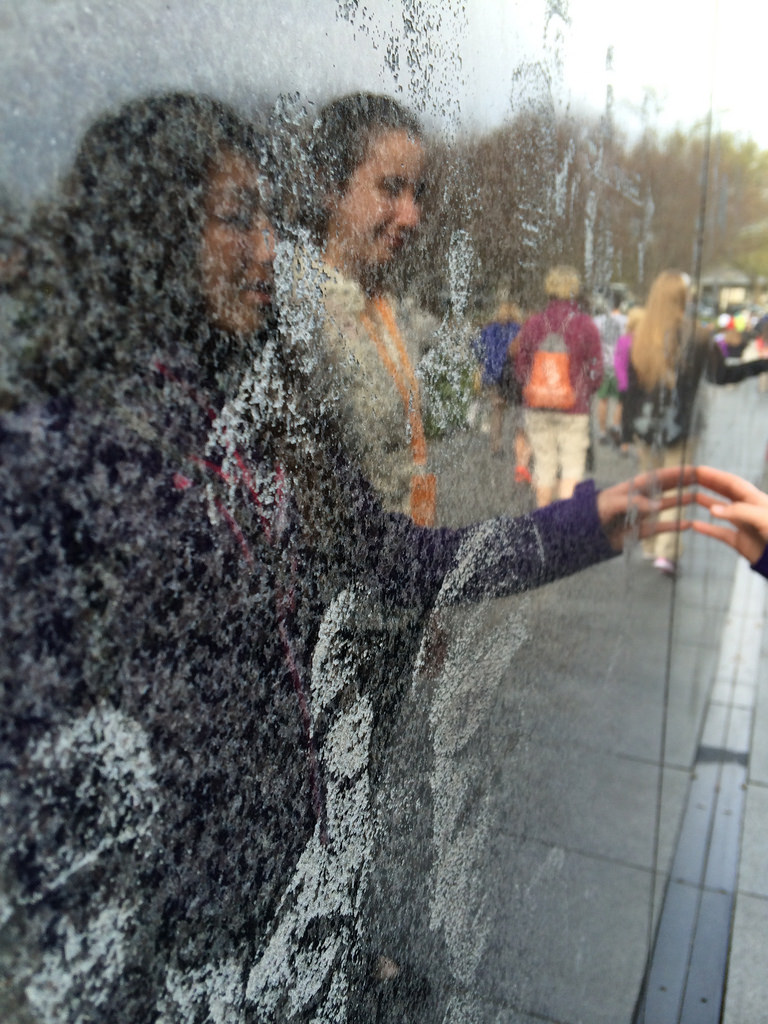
[
  {"x": 494, "y": 558},
  {"x": 761, "y": 565},
  {"x": 506, "y": 556}
]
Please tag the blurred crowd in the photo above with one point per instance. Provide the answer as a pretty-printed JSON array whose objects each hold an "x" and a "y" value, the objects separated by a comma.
[{"x": 632, "y": 379}]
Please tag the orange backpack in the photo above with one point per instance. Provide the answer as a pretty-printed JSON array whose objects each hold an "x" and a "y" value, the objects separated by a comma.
[{"x": 549, "y": 385}]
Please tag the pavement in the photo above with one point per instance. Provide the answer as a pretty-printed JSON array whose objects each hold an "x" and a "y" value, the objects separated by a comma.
[{"x": 628, "y": 768}]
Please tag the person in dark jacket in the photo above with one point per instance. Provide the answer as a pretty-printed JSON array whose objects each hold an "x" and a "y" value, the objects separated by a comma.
[{"x": 496, "y": 349}]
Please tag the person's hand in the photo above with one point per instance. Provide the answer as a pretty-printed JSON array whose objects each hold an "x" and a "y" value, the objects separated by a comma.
[
  {"x": 632, "y": 508},
  {"x": 746, "y": 508}
]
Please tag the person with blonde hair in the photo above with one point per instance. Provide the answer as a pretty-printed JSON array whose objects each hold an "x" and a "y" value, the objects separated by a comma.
[
  {"x": 560, "y": 366},
  {"x": 659, "y": 334},
  {"x": 668, "y": 358}
]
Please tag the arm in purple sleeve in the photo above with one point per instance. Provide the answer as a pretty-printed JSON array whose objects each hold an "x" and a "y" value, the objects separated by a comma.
[{"x": 493, "y": 558}]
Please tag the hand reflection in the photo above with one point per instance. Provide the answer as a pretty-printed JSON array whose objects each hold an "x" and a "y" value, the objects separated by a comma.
[
  {"x": 745, "y": 507},
  {"x": 631, "y": 508}
]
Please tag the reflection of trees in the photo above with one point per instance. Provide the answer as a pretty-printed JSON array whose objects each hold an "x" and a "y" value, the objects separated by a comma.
[{"x": 548, "y": 187}]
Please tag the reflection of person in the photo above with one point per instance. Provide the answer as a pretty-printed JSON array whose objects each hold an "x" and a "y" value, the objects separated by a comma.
[
  {"x": 610, "y": 325},
  {"x": 139, "y": 653},
  {"x": 667, "y": 362},
  {"x": 187, "y": 730},
  {"x": 368, "y": 164},
  {"x": 621, "y": 369},
  {"x": 496, "y": 348},
  {"x": 743, "y": 506},
  {"x": 559, "y": 432}
]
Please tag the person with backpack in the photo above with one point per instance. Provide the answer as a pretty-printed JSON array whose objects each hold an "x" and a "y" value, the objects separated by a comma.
[
  {"x": 611, "y": 324},
  {"x": 560, "y": 366}
]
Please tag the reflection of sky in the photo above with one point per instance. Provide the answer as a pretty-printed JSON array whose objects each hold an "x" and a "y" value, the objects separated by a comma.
[
  {"x": 683, "y": 50},
  {"x": 63, "y": 61}
]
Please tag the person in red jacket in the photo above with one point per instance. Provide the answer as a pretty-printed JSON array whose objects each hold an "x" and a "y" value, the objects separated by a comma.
[{"x": 560, "y": 366}]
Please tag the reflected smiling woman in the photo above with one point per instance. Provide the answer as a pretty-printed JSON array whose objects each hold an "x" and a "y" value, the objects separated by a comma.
[
  {"x": 367, "y": 164},
  {"x": 186, "y": 731}
]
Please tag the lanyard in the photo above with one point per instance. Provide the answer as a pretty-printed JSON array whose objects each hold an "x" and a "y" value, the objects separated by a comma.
[
  {"x": 423, "y": 485},
  {"x": 402, "y": 374}
]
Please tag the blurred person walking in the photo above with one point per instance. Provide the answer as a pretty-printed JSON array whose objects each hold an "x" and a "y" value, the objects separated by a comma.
[
  {"x": 560, "y": 366},
  {"x": 611, "y": 326},
  {"x": 496, "y": 349},
  {"x": 621, "y": 370},
  {"x": 757, "y": 348}
]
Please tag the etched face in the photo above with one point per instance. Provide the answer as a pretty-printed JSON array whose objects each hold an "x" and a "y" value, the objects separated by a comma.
[
  {"x": 238, "y": 246},
  {"x": 380, "y": 207}
]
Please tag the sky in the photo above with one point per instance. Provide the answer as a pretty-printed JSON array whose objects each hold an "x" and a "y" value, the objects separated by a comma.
[
  {"x": 687, "y": 52},
  {"x": 461, "y": 64}
]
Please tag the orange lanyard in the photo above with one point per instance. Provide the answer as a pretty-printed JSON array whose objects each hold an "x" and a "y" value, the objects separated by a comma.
[{"x": 402, "y": 375}]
